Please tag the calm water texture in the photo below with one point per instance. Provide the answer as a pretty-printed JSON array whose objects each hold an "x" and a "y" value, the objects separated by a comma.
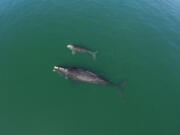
[{"x": 136, "y": 40}]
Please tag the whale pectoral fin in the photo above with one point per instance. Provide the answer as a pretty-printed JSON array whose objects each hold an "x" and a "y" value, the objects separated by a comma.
[
  {"x": 73, "y": 52},
  {"x": 94, "y": 54},
  {"x": 69, "y": 78},
  {"x": 66, "y": 77}
]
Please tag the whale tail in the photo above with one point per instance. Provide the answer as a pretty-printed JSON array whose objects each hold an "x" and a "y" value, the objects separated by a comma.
[
  {"x": 121, "y": 87},
  {"x": 94, "y": 54}
]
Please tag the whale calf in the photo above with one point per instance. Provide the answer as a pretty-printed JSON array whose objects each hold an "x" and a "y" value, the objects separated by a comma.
[
  {"x": 83, "y": 75},
  {"x": 75, "y": 49}
]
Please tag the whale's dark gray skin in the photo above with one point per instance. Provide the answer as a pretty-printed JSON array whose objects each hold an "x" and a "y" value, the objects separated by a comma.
[
  {"x": 86, "y": 76},
  {"x": 75, "y": 49}
]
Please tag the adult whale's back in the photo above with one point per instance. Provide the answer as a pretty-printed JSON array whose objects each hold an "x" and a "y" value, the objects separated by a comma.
[{"x": 86, "y": 76}]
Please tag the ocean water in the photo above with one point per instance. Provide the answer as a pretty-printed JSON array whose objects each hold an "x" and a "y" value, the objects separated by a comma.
[{"x": 136, "y": 40}]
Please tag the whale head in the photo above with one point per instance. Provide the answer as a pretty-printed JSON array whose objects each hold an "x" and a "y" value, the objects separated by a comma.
[
  {"x": 60, "y": 69},
  {"x": 70, "y": 46}
]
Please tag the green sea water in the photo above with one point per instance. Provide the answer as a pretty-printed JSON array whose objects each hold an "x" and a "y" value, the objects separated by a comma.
[{"x": 136, "y": 40}]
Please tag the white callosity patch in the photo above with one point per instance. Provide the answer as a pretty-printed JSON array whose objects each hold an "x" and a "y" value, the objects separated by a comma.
[{"x": 70, "y": 46}]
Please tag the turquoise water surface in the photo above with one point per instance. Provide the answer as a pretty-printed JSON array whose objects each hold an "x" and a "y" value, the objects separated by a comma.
[{"x": 136, "y": 40}]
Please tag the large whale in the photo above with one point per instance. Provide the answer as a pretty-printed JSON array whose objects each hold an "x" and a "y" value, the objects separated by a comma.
[
  {"x": 75, "y": 49},
  {"x": 83, "y": 75}
]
